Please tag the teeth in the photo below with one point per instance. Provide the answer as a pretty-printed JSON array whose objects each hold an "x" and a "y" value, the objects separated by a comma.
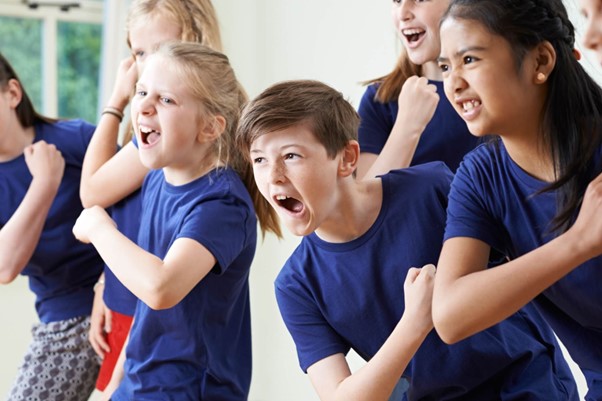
[
  {"x": 411, "y": 31},
  {"x": 145, "y": 130},
  {"x": 471, "y": 104},
  {"x": 282, "y": 197}
]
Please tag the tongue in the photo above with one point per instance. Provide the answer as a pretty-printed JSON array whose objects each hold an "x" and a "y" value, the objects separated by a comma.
[{"x": 152, "y": 138}]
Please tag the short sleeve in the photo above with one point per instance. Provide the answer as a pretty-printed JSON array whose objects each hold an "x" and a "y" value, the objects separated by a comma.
[
  {"x": 467, "y": 215},
  {"x": 314, "y": 338},
  {"x": 375, "y": 124},
  {"x": 222, "y": 225}
]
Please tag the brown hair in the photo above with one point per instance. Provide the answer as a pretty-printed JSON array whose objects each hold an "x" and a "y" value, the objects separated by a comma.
[
  {"x": 211, "y": 79},
  {"x": 26, "y": 113},
  {"x": 330, "y": 117}
]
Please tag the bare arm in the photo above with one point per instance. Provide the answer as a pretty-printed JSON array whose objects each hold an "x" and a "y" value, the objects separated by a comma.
[
  {"x": 159, "y": 283},
  {"x": 103, "y": 180},
  {"x": 20, "y": 235},
  {"x": 417, "y": 104},
  {"x": 375, "y": 381},
  {"x": 469, "y": 298}
]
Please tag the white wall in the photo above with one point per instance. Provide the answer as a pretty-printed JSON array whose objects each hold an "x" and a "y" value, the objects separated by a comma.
[{"x": 340, "y": 43}]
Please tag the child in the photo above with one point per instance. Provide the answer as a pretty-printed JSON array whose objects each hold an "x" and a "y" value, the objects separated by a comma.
[
  {"x": 403, "y": 120},
  {"x": 592, "y": 39},
  {"x": 40, "y": 168},
  {"x": 191, "y": 334},
  {"x": 149, "y": 23},
  {"x": 509, "y": 68},
  {"x": 343, "y": 287}
]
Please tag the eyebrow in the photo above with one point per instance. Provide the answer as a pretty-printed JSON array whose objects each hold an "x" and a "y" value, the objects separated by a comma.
[
  {"x": 281, "y": 148},
  {"x": 461, "y": 52}
]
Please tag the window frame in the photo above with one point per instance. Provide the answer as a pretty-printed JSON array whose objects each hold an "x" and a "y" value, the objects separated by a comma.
[{"x": 50, "y": 16}]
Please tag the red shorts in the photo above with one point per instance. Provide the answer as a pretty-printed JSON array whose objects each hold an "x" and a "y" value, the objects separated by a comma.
[{"x": 120, "y": 327}]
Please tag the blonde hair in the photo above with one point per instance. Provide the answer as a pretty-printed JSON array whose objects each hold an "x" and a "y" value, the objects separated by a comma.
[
  {"x": 196, "y": 18},
  {"x": 212, "y": 80}
]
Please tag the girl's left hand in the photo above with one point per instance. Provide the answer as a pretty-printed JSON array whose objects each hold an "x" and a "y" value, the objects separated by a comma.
[{"x": 89, "y": 220}]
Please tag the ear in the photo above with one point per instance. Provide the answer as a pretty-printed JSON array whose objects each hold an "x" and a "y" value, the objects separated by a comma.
[
  {"x": 212, "y": 128},
  {"x": 349, "y": 157},
  {"x": 14, "y": 92},
  {"x": 545, "y": 61}
]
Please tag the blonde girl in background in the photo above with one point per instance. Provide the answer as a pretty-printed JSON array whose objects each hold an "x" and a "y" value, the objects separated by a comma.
[
  {"x": 149, "y": 23},
  {"x": 191, "y": 337},
  {"x": 405, "y": 117}
]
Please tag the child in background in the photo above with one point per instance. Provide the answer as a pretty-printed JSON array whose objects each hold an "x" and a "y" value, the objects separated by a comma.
[
  {"x": 592, "y": 39},
  {"x": 405, "y": 117},
  {"x": 191, "y": 337},
  {"x": 343, "y": 287},
  {"x": 509, "y": 68},
  {"x": 40, "y": 169},
  {"x": 149, "y": 23}
]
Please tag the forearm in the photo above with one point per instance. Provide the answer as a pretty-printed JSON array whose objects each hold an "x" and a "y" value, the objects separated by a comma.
[
  {"x": 377, "y": 379},
  {"x": 140, "y": 271},
  {"x": 101, "y": 149},
  {"x": 20, "y": 235},
  {"x": 469, "y": 303},
  {"x": 398, "y": 151}
]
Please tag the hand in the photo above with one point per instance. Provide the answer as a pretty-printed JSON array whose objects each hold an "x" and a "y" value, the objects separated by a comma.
[
  {"x": 588, "y": 226},
  {"x": 89, "y": 220},
  {"x": 418, "y": 295},
  {"x": 45, "y": 163},
  {"x": 125, "y": 81},
  {"x": 417, "y": 104},
  {"x": 100, "y": 323}
]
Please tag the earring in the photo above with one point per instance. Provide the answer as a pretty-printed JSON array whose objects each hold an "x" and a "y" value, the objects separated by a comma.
[{"x": 541, "y": 77}]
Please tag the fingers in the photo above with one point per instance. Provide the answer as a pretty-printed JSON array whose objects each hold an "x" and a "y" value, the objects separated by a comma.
[
  {"x": 414, "y": 273},
  {"x": 98, "y": 341}
]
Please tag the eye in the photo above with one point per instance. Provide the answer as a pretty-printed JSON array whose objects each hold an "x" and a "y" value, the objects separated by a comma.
[
  {"x": 397, "y": 1},
  {"x": 166, "y": 100},
  {"x": 469, "y": 59},
  {"x": 291, "y": 156},
  {"x": 444, "y": 67},
  {"x": 141, "y": 93},
  {"x": 139, "y": 54},
  {"x": 258, "y": 160}
]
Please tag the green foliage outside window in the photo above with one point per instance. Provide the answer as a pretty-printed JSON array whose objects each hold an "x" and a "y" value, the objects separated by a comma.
[
  {"x": 21, "y": 44},
  {"x": 79, "y": 46}
]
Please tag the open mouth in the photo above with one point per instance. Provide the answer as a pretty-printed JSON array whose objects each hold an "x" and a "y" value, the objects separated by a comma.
[
  {"x": 413, "y": 35},
  {"x": 149, "y": 136},
  {"x": 291, "y": 204}
]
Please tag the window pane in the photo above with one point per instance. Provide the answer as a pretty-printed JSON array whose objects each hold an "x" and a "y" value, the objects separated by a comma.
[
  {"x": 21, "y": 44},
  {"x": 78, "y": 66}
]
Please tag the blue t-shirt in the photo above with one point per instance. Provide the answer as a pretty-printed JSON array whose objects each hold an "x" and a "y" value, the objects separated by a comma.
[
  {"x": 126, "y": 215},
  {"x": 492, "y": 199},
  {"x": 62, "y": 270},
  {"x": 445, "y": 138},
  {"x": 337, "y": 296},
  {"x": 199, "y": 349}
]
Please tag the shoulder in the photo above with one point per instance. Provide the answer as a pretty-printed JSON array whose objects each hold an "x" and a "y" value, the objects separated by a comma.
[
  {"x": 428, "y": 175},
  {"x": 67, "y": 133}
]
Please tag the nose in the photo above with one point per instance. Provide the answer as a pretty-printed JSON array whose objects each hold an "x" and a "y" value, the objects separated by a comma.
[
  {"x": 405, "y": 10},
  {"x": 144, "y": 105},
  {"x": 454, "y": 84},
  {"x": 277, "y": 173}
]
